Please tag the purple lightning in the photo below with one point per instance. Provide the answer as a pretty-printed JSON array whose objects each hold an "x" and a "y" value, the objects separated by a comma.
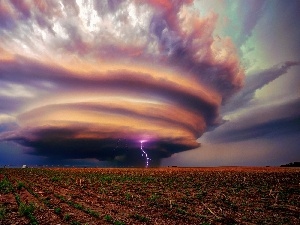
[{"x": 146, "y": 156}]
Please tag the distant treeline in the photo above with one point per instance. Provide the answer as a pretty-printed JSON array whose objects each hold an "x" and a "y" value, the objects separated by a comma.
[{"x": 292, "y": 164}]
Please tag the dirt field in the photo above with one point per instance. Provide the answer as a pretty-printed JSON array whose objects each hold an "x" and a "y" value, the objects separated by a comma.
[{"x": 150, "y": 196}]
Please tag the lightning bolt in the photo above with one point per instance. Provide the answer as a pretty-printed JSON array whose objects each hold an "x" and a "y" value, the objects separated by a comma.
[{"x": 145, "y": 153}]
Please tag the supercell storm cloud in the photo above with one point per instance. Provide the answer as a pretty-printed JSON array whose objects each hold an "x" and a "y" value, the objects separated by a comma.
[{"x": 91, "y": 79}]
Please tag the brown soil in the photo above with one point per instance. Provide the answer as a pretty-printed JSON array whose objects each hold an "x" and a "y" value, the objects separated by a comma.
[{"x": 231, "y": 195}]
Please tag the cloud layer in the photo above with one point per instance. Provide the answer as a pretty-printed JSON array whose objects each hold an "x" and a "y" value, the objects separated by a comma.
[
  {"x": 257, "y": 81},
  {"x": 91, "y": 79}
]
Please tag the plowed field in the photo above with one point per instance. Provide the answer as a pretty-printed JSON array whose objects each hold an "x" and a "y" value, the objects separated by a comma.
[{"x": 150, "y": 196}]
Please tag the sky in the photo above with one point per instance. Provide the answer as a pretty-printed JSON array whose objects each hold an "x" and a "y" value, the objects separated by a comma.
[{"x": 164, "y": 82}]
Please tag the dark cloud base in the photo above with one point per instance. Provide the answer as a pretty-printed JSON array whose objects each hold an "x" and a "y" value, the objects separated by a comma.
[{"x": 59, "y": 144}]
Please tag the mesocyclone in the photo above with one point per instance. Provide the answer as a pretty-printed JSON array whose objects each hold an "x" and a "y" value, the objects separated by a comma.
[{"x": 96, "y": 72}]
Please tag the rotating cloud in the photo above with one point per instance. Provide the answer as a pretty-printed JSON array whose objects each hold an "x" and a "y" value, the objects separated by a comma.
[{"x": 97, "y": 78}]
